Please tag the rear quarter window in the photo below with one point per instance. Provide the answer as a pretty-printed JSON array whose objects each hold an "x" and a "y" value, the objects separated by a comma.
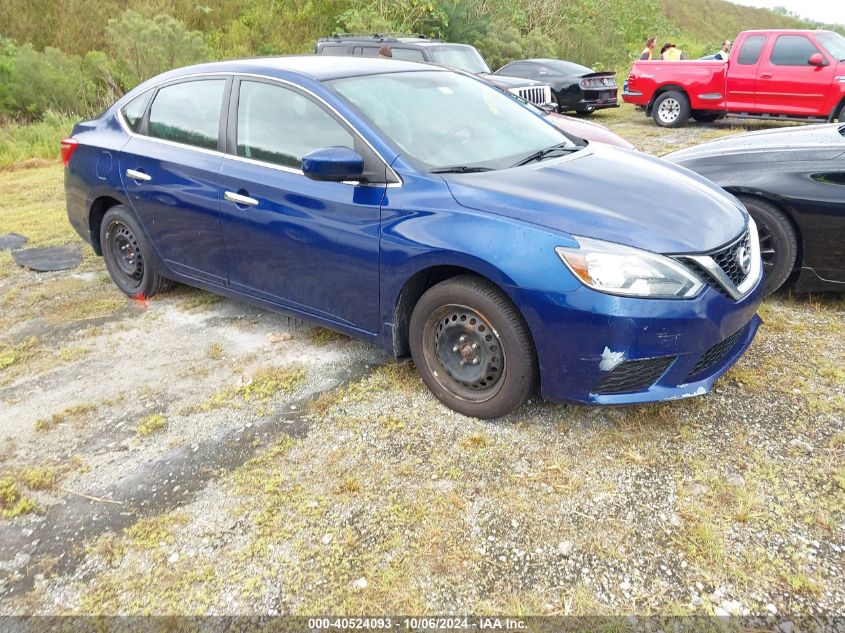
[
  {"x": 749, "y": 54},
  {"x": 133, "y": 112},
  {"x": 333, "y": 49},
  {"x": 188, "y": 112}
]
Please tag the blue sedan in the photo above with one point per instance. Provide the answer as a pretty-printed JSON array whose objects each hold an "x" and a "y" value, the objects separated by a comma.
[{"x": 427, "y": 212}]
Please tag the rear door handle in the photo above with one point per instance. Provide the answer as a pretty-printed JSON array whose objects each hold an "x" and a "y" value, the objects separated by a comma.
[
  {"x": 134, "y": 174},
  {"x": 237, "y": 198},
  {"x": 766, "y": 76}
]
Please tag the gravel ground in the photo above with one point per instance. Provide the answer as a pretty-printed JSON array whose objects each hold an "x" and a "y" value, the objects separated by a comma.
[{"x": 226, "y": 460}]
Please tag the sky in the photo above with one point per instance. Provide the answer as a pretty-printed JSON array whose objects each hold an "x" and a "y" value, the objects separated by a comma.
[{"x": 829, "y": 11}]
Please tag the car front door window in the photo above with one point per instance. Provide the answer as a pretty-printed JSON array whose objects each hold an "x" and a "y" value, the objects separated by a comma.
[{"x": 278, "y": 125}]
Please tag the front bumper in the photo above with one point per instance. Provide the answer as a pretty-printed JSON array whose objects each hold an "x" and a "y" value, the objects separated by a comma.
[{"x": 595, "y": 348}]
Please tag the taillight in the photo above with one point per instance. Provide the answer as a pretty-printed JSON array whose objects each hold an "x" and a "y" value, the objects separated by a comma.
[{"x": 68, "y": 145}]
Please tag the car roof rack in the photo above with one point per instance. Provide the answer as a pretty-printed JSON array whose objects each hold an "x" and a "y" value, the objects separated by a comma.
[{"x": 381, "y": 36}]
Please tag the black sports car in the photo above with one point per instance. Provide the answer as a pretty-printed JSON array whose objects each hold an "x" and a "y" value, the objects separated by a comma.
[
  {"x": 574, "y": 87},
  {"x": 793, "y": 183}
]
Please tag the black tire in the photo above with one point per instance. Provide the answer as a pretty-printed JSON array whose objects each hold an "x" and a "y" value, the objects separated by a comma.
[
  {"x": 778, "y": 242},
  {"x": 840, "y": 116},
  {"x": 706, "y": 117},
  {"x": 129, "y": 257},
  {"x": 671, "y": 109},
  {"x": 585, "y": 113},
  {"x": 472, "y": 348}
]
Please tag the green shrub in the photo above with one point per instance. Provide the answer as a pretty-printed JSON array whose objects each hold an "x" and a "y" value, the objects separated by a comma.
[{"x": 20, "y": 142}]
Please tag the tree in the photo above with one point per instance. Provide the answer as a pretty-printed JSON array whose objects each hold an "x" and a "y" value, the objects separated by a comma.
[{"x": 148, "y": 46}]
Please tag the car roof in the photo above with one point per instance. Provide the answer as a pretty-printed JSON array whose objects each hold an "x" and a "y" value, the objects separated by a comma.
[
  {"x": 787, "y": 31},
  {"x": 380, "y": 39},
  {"x": 316, "y": 67}
]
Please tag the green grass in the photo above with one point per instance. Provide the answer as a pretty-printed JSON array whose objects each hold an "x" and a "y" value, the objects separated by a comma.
[
  {"x": 21, "y": 143},
  {"x": 151, "y": 424}
]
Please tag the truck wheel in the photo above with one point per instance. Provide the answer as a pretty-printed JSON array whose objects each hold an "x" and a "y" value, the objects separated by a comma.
[
  {"x": 472, "y": 347},
  {"x": 671, "y": 109},
  {"x": 706, "y": 117},
  {"x": 778, "y": 242},
  {"x": 841, "y": 115}
]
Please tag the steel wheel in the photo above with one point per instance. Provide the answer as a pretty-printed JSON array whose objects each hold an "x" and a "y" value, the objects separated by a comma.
[
  {"x": 464, "y": 352},
  {"x": 130, "y": 259},
  {"x": 472, "y": 347},
  {"x": 126, "y": 252}
]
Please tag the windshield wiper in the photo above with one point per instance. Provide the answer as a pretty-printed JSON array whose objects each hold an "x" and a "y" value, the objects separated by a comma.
[
  {"x": 459, "y": 169},
  {"x": 545, "y": 153}
]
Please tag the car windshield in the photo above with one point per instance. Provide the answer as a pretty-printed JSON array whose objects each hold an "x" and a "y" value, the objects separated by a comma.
[
  {"x": 460, "y": 57},
  {"x": 834, "y": 44},
  {"x": 443, "y": 119}
]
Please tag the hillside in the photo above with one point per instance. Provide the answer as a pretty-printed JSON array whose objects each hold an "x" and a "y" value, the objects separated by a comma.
[{"x": 710, "y": 21}]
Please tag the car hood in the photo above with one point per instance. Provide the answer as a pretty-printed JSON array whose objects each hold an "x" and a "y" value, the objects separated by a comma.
[
  {"x": 586, "y": 130},
  {"x": 609, "y": 194},
  {"x": 809, "y": 142}
]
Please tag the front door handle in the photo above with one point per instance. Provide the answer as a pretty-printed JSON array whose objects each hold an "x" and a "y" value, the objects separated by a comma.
[
  {"x": 237, "y": 198},
  {"x": 134, "y": 174}
]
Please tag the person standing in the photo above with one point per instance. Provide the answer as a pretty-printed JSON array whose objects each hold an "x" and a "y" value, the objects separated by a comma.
[
  {"x": 671, "y": 53},
  {"x": 648, "y": 51},
  {"x": 725, "y": 51}
]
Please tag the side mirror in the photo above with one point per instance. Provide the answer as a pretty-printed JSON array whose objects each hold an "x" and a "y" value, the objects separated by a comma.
[
  {"x": 333, "y": 164},
  {"x": 816, "y": 59}
]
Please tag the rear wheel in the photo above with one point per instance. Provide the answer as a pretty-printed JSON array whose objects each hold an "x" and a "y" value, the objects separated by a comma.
[
  {"x": 778, "y": 242},
  {"x": 671, "y": 109},
  {"x": 472, "y": 348},
  {"x": 129, "y": 256}
]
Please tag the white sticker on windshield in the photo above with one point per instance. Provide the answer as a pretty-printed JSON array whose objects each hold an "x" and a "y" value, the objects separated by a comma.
[{"x": 446, "y": 90}]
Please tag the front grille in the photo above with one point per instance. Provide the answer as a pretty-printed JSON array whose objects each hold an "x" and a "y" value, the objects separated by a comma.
[
  {"x": 707, "y": 278},
  {"x": 715, "y": 354},
  {"x": 725, "y": 258},
  {"x": 633, "y": 375},
  {"x": 537, "y": 94}
]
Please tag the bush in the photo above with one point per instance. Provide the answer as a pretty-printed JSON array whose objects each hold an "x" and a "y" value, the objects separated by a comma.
[
  {"x": 146, "y": 47},
  {"x": 20, "y": 142}
]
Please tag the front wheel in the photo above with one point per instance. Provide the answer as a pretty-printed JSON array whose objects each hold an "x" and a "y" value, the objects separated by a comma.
[
  {"x": 671, "y": 109},
  {"x": 472, "y": 348},
  {"x": 706, "y": 117},
  {"x": 840, "y": 117},
  {"x": 778, "y": 242},
  {"x": 129, "y": 256}
]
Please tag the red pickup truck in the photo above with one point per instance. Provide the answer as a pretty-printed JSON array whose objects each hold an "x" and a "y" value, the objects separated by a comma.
[{"x": 783, "y": 75}]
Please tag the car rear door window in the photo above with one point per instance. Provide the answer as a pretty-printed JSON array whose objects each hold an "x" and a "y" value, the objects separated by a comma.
[
  {"x": 188, "y": 112},
  {"x": 279, "y": 125},
  {"x": 366, "y": 51},
  {"x": 749, "y": 54},
  {"x": 133, "y": 112},
  {"x": 792, "y": 50},
  {"x": 407, "y": 54},
  {"x": 518, "y": 70}
]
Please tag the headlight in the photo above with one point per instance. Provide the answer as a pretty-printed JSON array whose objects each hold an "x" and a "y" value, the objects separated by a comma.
[{"x": 622, "y": 270}]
